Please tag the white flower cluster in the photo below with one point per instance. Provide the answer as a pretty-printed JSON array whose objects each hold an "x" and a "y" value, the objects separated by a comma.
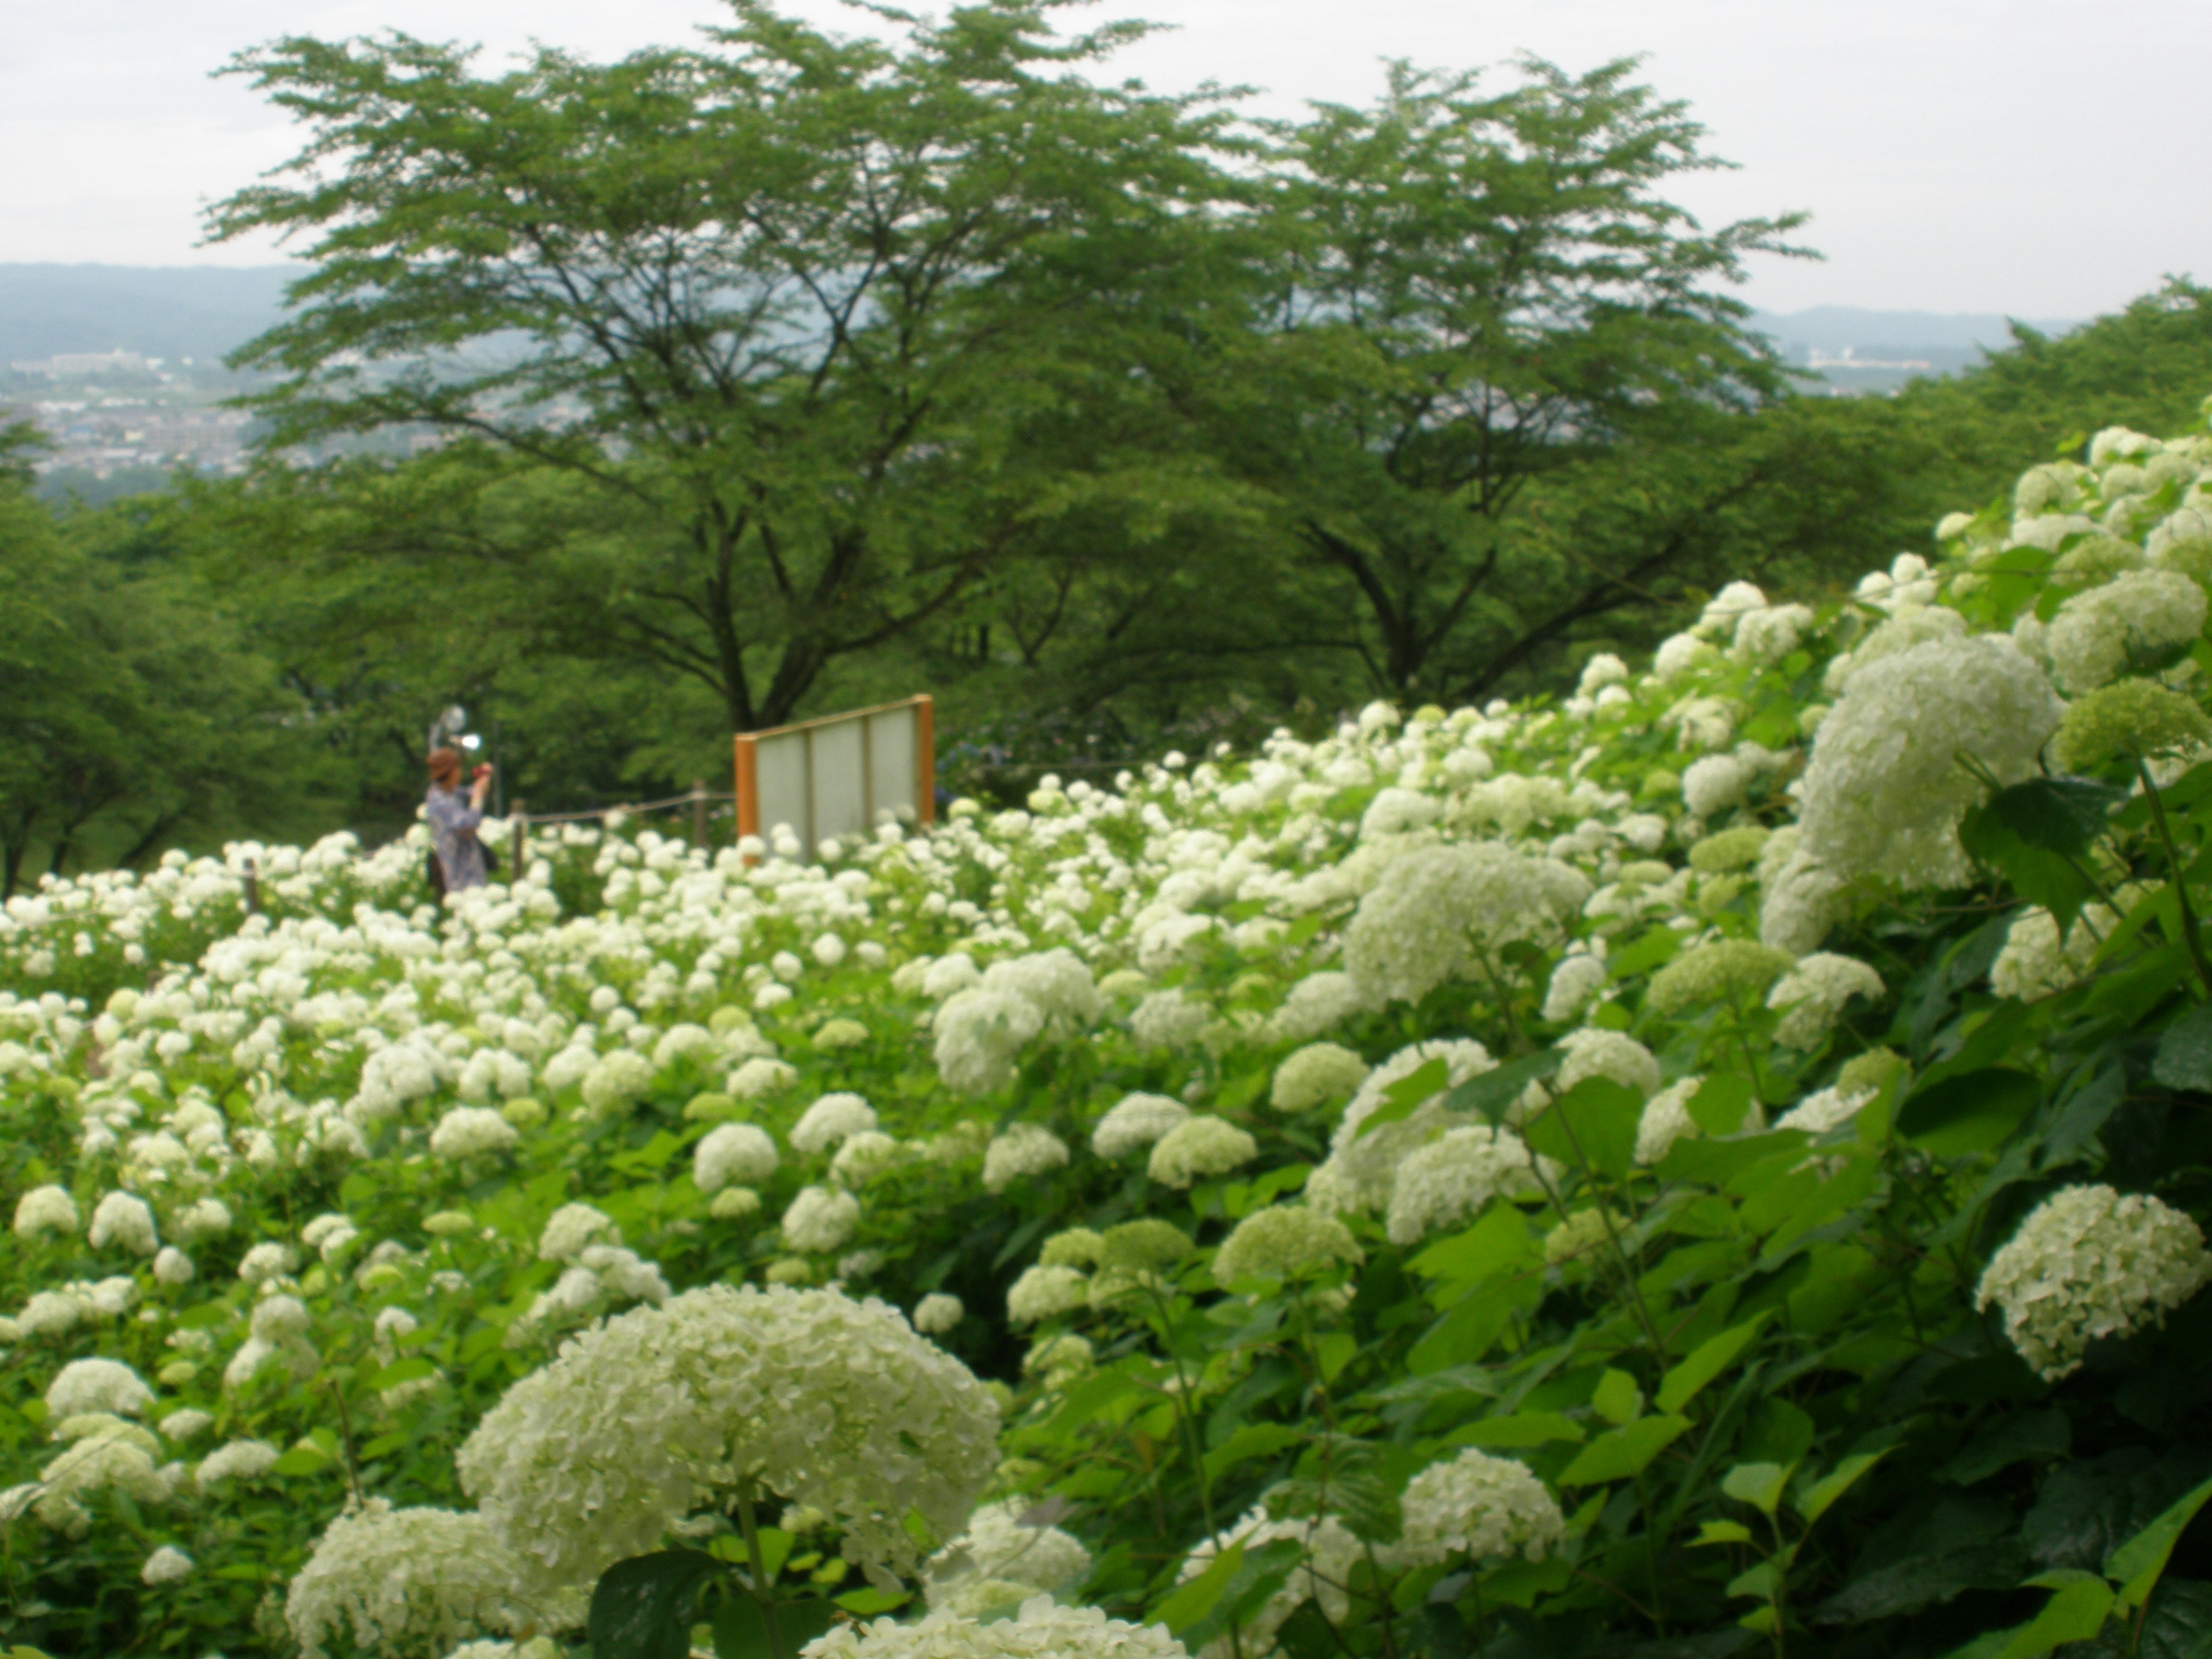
[
  {"x": 1006, "y": 1558},
  {"x": 1041, "y": 1630},
  {"x": 2086, "y": 1264},
  {"x": 404, "y": 1580},
  {"x": 819, "y": 1399},
  {"x": 1481, "y": 1506}
]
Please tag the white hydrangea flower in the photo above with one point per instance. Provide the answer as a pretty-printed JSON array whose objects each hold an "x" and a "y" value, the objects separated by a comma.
[
  {"x": 830, "y": 1120},
  {"x": 1319, "y": 1002},
  {"x": 1285, "y": 1241},
  {"x": 235, "y": 1460},
  {"x": 1362, "y": 1168},
  {"x": 1666, "y": 1120},
  {"x": 821, "y": 1220},
  {"x": 166, "y": 1565},
  {"x": 741, "y": 1152},
  {"x": 1574, "y": 982},
  {"x": 2086, "y": 1264},
  {"x": 979, "y": 1032},
  {"x": 570, "y": 1230},
  {"x": 172, "y": 1267},
  {"x": 1812, "y": 994},
  {"x": 187, "y": 1425},
  {"x": 1200, "y": 1146},
  {"x": 1002, "y": 1547},
  {"x": 1045, "y": 1292},
  {"x": 937, "y": 1313},
  {"x": 1316, "y": 1074},
  {"x": 1886, "y": 786},
  {"x": 863, "y": 1157},
  {"x": 124, "y": 1221},
  {"x": 762, "y": 1076},
  {"x": 1024, "y": 1151},
  {"x": 1169, "y": 1019},
  {"x": 108, "y": 1386},
  {"x": 1437, "y": 910},
  {"x": 1134, "y": 1123},
  {"x": 2034, "y": 962},
  {"x": 388, "y": 1579},
  {"x": 1825, "y": 1110},
  {"x": 1479, "y": 1507},
  {"x": 1041, "y": 1630},
  {"x": 821, "y": 1400},
  {"x": 1714, "y": 783},
  {"x": 1452, "y": 1178},
  {"x": 44, "y": 1210},
  {"x": 617, "y": 1079},
  {"x": 2091, "y": 638},
  {"x": 468, "y": 1131}
]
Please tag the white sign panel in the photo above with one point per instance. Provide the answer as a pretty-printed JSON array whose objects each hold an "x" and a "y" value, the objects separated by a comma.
[{"x": 838, "y": 776}]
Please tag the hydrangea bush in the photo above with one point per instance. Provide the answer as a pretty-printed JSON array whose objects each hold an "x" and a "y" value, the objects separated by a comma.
[{"x": 1712, "y": 1162}]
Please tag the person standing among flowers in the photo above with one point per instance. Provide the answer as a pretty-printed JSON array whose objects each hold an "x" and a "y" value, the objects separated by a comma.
[{"x": 459, "y": 861}]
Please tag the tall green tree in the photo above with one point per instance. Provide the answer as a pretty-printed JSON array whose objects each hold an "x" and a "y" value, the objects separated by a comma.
[
  {"x": 1470, "y": 293},
  {"x": 130, "y": 712},
  {"x": 782, "y": 310}
]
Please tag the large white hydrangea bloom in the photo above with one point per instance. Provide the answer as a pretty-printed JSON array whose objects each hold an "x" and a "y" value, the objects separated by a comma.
[
  {"x": 1888, "y": 781},
  {"x": 1481, "y": 1506},
  {"x": 2089, "y": 1263},
  {"x": 820, "y": 1399}
]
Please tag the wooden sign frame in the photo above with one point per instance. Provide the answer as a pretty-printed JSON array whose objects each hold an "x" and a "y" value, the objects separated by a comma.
[{"x": 809, "y": 734}]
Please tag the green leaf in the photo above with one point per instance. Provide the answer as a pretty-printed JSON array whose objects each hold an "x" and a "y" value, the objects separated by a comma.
[
  {"x": 301, "y": 1460},
  {"x": 1617, "y": 1398},
  {"x": 2026, "y": 1436},
  {"x": 1251, "y": 1440},
  {"x": 412, "y": 1369},
  {"x": 1500, "y": 1240},
  {"x": 2185, "y": 1052},
  {"x": 1757, "y": 1582},
  {"x": 641, "y": 1608},
  {"x": 1404, "y": 1097},
  {"x": 1621, "y": 1453},
  {"x": 1197, "y": 1598},
  {"x": 1924, "y": 1581},
  {"x": 2076, "y": 1613},
  {"x": 1971, "y": 1113},
  {"x": 2137, "y": 1563},
  {"x": 1721, "y": 1102},
  {"x": 1817, "y": 1499},
  {"x": 1591, "y": 1126},
  {"x": 1722, "y": 1532},
  {"x": 1522, "y": 1429},
  {"x": 741, "y": 1627},
  {"x": 1758, "y": 1484},
  {"x": 866, "y": 1603},
  {"x": 1705, "y": 1361},
  {"x": 2056, "y": 815},
  {"x": 2035, "y": 834},
  {"x": 1498, "y": 1089}
]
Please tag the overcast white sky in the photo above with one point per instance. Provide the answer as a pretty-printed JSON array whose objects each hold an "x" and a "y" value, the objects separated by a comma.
[{"x": 2033, "y": 157}]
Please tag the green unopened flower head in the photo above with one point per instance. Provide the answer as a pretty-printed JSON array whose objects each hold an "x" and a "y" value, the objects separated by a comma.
[
  {"x": 710, "y": 1109},
  {"x": 1871, "y": 1069},
  {"x": 1726, "y": 971},
  {"x": 2129, "y": 719},
  {"x": 1147, "y": 1246},
  {"x": 1077, "y": 1247},
  {"x": 1731, "y": 849},
  {"x": 837, "y": 1034}
]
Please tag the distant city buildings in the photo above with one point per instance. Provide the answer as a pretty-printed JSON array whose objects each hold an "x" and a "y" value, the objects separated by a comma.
[
  {"x": 100, "y": 434},
  {"x": 69, "y": 365}
]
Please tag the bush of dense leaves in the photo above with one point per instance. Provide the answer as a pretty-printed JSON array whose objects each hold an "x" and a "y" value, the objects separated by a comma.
[{"x": 1712, "y": 1163}]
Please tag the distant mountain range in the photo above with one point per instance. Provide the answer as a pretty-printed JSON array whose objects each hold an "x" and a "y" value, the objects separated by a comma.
[
  {"x": 171, "y": 312},
  {"x": 204, "y": 312}
]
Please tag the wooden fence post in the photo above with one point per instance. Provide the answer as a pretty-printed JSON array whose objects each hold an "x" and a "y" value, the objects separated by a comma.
[
  {"x": 253, "y": 888},
  {"x": 698, "y": 811},
  {"x": 521, "y": 821}
]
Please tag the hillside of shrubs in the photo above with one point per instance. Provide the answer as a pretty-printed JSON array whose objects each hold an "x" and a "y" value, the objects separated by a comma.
[{"x": 1710, "y": 1165}]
